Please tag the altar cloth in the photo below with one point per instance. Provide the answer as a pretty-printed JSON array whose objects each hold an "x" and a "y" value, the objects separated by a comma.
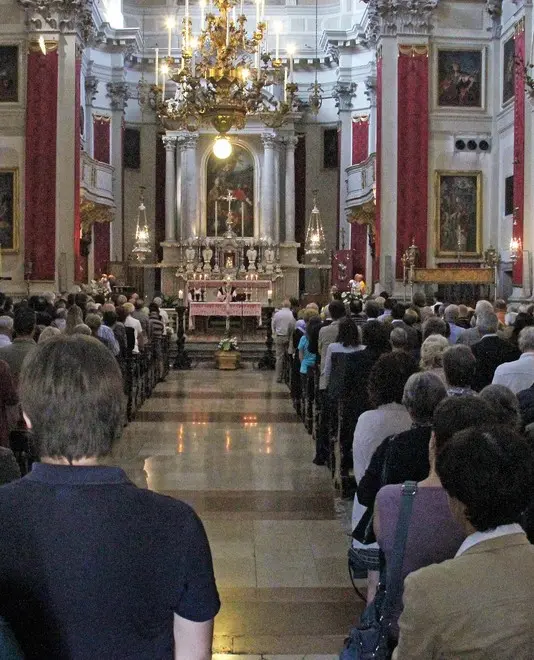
[{"x": 224, "y": 309}]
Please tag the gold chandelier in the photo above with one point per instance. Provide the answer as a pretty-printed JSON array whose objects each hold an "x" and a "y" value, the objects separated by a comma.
[{"x": 223, "y": 72}]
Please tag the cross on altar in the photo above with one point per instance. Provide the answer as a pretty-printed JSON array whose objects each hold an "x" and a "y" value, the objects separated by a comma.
[{"x": 229, "y": 198}]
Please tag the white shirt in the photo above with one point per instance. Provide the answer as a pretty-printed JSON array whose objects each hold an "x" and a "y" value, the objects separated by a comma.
[
  {"x": 373, "y": 427},
  {"x": 164, "y": 316},
  {"x": 480, "y": 537},
  {"x": 517, "y": 375},
  {"x": 4, "y": 341},
  {"x": 130, "y": 322},
  {"x": 283, "y": 322}
]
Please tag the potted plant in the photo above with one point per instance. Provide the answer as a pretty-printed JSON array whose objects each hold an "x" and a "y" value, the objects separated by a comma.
[{"x": 227, "y": 354}]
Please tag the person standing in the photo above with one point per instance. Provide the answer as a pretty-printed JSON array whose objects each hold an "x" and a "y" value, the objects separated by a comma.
[
  {"x": 14, "y": 354},
  {"x": 283, "y": 324}
]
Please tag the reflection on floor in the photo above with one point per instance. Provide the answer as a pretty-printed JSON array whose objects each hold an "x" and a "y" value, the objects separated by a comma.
[{"x": 230, "y": 445}]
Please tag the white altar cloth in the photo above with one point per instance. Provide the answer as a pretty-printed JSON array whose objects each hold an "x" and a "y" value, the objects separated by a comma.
[{"x": 224, "y": 309}]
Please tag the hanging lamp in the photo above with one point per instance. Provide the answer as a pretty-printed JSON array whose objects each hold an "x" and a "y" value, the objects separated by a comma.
[
  {"x": 142, "y": 236},
  {"x": 315, "y": 243},
  {"x": 315, "y": 98}
]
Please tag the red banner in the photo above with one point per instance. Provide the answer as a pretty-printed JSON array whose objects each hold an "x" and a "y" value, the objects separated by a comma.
[
  {"x": 40, "y": 168},
  {"x": 360, "y": 139},
  {"x": 376, "y": 262},
  {"x": 80, "y": 263},
  {"x": 101, "y": 245},
  {"x": 101, "y": 138},
  {"x": 412, "y": 152},
  {"x": 519, "y": 149}
]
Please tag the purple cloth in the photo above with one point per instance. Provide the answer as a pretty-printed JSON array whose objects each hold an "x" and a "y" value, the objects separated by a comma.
[{"x": 433, "y": 535}]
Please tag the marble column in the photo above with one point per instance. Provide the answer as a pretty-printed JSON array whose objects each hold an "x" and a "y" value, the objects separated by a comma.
[
  {"x": 277, "y": 192},
  {"x": 267, "y": 186},
  {"x": 91, "y": 89},
  {"x": 170, "y": 190},
  {"x": 290, "y": 142},
  {"x": 370, "y": 92},
  {"x": 118, "y": 94},
  {"x": 343, "y": 93},
  {"x": 190, "y": 185}
]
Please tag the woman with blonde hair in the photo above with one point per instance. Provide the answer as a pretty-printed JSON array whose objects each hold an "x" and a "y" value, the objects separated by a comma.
[{"x": 432, "y": 355}]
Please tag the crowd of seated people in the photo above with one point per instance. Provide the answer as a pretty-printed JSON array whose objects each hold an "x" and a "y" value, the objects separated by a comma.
[
  {"x": 398, "y": 393},
  {"x": 26, "y": 324}
]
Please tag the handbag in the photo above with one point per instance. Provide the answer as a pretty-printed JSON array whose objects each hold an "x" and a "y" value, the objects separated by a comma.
[{"x": 370, "y": 639}]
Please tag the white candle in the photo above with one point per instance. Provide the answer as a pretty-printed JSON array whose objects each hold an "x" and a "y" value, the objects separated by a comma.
[
  {"x": 186, "y": 33},
  {"x": 258, "y": 63},
  {"x": 170, "y": 26},
  {"x": 163, "y": 71},
  {"x": 157, "y": 65},
  {"x": 262, "y": 10},
  {"x": 202, "y": 4},
  {"x": 258, "y": 11},
  {"x": 241, "y": 10},
  {"x": 216, "y": 218},
  {"x": 180, "y": 295},
  {"x": 270, "y": 294},
  {"x": 233, "y": 15},
  {"x": 227, "y": 29},
  {"x": 277, "y": 47},
  {"x": 291, "y": 67},
  {"x": 242, "y": 219},
  {"x": 285, "y": 84}
]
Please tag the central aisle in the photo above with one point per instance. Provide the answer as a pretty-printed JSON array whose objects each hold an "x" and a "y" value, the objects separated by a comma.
[{"x": 230, "y": 444}]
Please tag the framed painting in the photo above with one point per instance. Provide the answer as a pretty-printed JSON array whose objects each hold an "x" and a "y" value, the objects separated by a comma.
[
  {"x": 460, "y": 78},
  {"x": 508, "y": 66},
  {"x": 230, "y": 193},
  {"x": 9, "y": 74},
  {"x": 9, "y": 210},
  {"x": 458, "y": 214}
]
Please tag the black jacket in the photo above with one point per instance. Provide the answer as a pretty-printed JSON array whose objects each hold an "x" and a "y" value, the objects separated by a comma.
[{"x": 490, "y": 352}]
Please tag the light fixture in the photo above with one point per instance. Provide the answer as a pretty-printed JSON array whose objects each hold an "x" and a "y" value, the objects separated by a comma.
[
  {"x": 142, "y": 236},
  {"x": 516, "y": 247},
  {"x": 315, "y": 244},
  {"x": 220, "y": 78},
  {"x": 42, "y": 44},
  {"x": 315, "y": 97},
  {"x": 222, "y": 147}
]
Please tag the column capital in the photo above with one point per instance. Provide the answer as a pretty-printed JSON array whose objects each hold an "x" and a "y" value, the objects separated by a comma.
[
  {"x": 91, "y": 88},
  {"x": 118, "y": 94},
  {"x": 291, "y": 142},
  {"x": 188, "y": 141},
  {"x": 390, "y": 17},
  {"x": 169, "y": 142},
  {"x": 269, "y": 140},
  {"x": 370, "y": 89},
  {"x": 343, "y": 94},
  {"x": 65, "y": 16}
]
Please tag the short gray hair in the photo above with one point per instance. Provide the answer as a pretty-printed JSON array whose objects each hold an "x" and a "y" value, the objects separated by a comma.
[
  {"x": 48, "y": 333},
  {"x": 6, "y": 323},
  {"x": 504, "y": 403},
  {"x": 432, "y": 351},
  {"x": 483, "y": 306},
  {"x": 398, "y": 338},
  {"x": 526, "y": 339},
  {"x": 422, "y": 393},
  {"x": 488, "y": 322},
  {"x": 451, "y": 314}
]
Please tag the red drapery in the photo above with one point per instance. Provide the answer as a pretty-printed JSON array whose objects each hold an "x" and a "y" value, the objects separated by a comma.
[
  {"x": 80, "y": 263},
  {"x": 40, "y": 168},
  {"x": 101, "y": 138},
  {"x": 519, "y": 148},
  {"x": 376, "y": 262},
  {"x": 360, "y": 139},
  {"x": 360, "y": 152},
  {"x": 412, "y": 152},
  {"x": 101, "y": 152}
]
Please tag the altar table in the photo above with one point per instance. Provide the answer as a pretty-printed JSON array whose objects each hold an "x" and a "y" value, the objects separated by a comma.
[{"x": 224, "y": 309}]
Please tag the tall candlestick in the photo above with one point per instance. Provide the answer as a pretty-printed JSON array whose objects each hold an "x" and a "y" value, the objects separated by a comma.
[
  {"x": 291, "y": 67},
  {"x": 162, "y": 85},
  {"x": 157, "y": 66},
  {"x": 258, "y": 72}
]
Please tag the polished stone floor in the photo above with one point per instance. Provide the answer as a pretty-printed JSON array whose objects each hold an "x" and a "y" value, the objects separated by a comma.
[{"x": 230, "y": 444}]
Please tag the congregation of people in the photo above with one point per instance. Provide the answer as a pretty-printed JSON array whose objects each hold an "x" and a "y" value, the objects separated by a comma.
[{"x": 442, "y": 396}]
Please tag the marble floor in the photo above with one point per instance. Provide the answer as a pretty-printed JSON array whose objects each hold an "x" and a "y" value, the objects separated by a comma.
[{"x": 230, "y": 444}]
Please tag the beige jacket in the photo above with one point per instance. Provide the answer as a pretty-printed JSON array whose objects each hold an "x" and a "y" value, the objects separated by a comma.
[{"x": 478, "y": 606}]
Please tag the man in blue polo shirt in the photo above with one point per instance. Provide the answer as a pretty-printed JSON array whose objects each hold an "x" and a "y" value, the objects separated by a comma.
[{"x": 92, "y": 567}]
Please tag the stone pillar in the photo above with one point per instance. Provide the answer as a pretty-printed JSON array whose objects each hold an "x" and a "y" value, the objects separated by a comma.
[
  {"x": 267, "y": 186},
  {"x": 170, "y": 187},
  {"x": 290, "y": 142},
  {"x": 277, "y": 191},
  {"x": 343, "y": 93},
  {"x": 370, "y": 92},
  {"x": 118, "y": 94},
  {"x": 91, "y": 88},
  {"x": 190, "y": 185}
]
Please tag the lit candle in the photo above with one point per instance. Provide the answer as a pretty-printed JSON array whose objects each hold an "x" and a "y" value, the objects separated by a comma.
[
  {"x": 186, "y": 19},
  {"x": 262, "y": 10},
  {"x": 170, "y": 26},
  {"x": 164, "y": 72},
  {"x": 180, "y": 295},
  {"x": 285, "y": 84},
  {"x": 270, "y": 294},
  {"x": 258, "y": 11},
  {"x": 157, "y": 66},
  {"x": 202, "y": 4},
  {"x": 241, "y": 10},
  {"x": 233, "y": 15},
  {"x": 278, "y": 29}
]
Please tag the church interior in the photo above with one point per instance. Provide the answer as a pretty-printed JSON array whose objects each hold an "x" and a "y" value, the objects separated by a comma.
[{"x": 229, "y": 161}]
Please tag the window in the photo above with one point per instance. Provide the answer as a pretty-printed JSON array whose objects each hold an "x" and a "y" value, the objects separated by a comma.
[
  {"x": 509, "y": 195},
  {"x": 330, "y": 148},
  {"x": 132, "y": 148}
]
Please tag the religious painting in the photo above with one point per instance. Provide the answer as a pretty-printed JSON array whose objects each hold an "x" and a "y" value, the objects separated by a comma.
[
  {"x": 9, "y": 211},
  {"x": 230, "y": 193},
  {"x": 508, "y": 68},
  {"x": 460, "y": 78},
  {"x": 9, "y": 74},
  {"x": 458, "y": 214}
]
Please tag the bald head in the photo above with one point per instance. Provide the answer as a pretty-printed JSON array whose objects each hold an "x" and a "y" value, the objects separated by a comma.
[{"x": 286, "y": 303}]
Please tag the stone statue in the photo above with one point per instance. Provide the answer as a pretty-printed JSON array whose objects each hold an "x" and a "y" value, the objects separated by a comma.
[
  {"x": 269, "y": 259},
  {"x": 252, "y": 255},
  {"x": 207, "y": 254},
  {"x": 190, "y": 254}
]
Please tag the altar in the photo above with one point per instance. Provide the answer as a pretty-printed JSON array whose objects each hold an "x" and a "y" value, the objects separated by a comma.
[{"x": 225, "y": 310}]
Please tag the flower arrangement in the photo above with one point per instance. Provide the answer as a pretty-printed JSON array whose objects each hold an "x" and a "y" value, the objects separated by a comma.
[
  {"x": 351, "y": 296},
  {"x": 228, "y": 344}
]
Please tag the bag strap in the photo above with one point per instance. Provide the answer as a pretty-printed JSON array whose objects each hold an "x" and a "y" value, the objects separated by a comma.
[{"x": 394, "y": 570}]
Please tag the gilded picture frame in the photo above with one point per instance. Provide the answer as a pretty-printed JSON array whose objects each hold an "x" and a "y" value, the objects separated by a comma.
[
  {"x": 9, "y": 210},
  {"x": 460, "y": 78},
  {"x": 458, "y": 209}
]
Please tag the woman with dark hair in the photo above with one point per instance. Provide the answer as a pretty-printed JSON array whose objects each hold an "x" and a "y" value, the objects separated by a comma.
[
  {"x": 522, "y": 320},
  {"x": 385, "y": 388},
  {"x": 348, "y": 341},
  {"x": 74, "y": 318},
  {"x": 480, "y": 604}
]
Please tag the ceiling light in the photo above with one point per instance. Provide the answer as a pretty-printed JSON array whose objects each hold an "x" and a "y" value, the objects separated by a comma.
[{"x": 222, "y": 148}]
